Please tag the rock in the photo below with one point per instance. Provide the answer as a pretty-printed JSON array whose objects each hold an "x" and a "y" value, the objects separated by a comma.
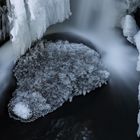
[
  {"x": 130, "y": 28},
  {"x": 51, "y": 74}
]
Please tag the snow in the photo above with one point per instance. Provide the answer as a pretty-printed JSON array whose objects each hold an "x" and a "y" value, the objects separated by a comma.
[
  {"x": 30, "y": 19},
  {"x": 22, "y": 110},
  {"x": 130, "y": 28},
  {"x": 137, "y": 40},
  {"x": 21, "y": 39},
  {"x": 52, "y": 73}
]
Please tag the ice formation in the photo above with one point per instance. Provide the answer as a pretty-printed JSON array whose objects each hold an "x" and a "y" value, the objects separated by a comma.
[
  {"x": 29, "y": 20},
  {"x": 52, "y": 73},
  {"x": 130, "y": 28},
  {"x": 132, "y": 32},
  {"x": 137, "y": 40}
]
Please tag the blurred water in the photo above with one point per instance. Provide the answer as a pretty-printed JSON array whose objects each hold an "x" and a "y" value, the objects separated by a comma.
[
  {"x": 98, "y": 22},
  {"x": 112, "y": 111}
]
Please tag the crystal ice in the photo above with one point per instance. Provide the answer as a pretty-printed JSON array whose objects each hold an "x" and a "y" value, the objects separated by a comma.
[
  {"x": 29, "y": 20},
  {"x": 52, "y": 73}
]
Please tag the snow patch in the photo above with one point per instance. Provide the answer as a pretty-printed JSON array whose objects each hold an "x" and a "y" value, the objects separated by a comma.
[
  {"x": 22, "y": 110},
  {"x": 130, "y": 28}
]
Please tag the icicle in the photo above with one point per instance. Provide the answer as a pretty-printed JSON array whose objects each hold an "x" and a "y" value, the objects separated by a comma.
[
  {"x": 21, "y": 38},
  {"x": 31, "y": 18}
]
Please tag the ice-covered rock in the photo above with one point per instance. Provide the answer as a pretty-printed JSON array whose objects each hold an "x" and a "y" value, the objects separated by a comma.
[
  {"x": 29, "y": 20},
  {"x": 130, "y": 28},
  {"x": 137, "y": 41},
  {"x": 52, "y": 73}
]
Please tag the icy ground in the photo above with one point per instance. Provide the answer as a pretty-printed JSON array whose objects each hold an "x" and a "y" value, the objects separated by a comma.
[{"x": 52, "y": 73}]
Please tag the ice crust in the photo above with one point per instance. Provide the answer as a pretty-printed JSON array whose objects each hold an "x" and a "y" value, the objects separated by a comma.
[
  {"x": 132, "y": 33},
  {"x": 130, "y": 28},
  {"x": 29, "y": 20},
  {"x": 50, "y": 74}
]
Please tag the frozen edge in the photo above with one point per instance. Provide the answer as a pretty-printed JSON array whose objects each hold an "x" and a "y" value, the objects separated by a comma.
[{"x": 98, "y": 84}]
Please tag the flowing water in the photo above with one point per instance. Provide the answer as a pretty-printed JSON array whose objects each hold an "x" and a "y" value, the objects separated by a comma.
[{"x": 109, "y": 113}]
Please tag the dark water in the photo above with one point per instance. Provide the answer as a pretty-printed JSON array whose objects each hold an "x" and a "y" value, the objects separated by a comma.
[{"x": 108, "y": 113}]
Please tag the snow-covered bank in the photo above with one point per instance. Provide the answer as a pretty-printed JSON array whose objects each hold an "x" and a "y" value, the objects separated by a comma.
[
  {"x": 30, "y": 19},
  {"x": 52, "y": 73}
]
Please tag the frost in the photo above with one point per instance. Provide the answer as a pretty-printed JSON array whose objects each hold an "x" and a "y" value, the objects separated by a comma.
[
  {"x": 22, "y": 110},
  {"x": 137, "y": 40},
  {"x": 29, "y": 20},
  {"x": 52, "y": 73}
]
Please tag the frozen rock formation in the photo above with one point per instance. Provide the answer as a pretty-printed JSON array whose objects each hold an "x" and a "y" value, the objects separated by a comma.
[
  {"x": 137, "y": 40},
  {"x": 52, "y": 73},
  {"x": 130, "y": 28},
  {"x": 29, "y": 20},
  {"x": 128, "y": 22},
  {"x": 132, "y": 32}
]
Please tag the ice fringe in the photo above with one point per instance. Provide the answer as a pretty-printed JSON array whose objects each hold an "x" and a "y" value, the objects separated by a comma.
[
  {"x": 29, "y": 20},
  {"x": 52, "y": 73},
  {"x": 132, "y": 33},
  {"x": 137, "y": 40}
]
